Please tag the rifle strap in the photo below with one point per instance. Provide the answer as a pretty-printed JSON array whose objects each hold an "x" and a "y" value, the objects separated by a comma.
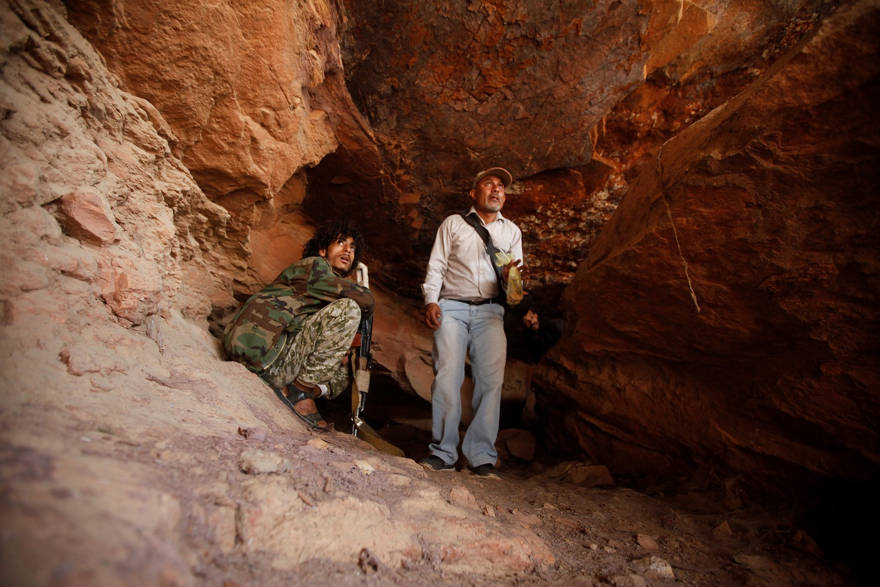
[{"x": 491, "y": 250}]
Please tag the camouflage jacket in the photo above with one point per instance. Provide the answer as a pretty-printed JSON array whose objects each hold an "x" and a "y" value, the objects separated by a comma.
[{"x": 258, "y": 331}]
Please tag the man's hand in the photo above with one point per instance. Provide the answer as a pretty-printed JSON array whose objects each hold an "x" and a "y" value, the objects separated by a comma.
[
  {"x": 505, "y": 271},
  {"x": 433, "y": 316}
]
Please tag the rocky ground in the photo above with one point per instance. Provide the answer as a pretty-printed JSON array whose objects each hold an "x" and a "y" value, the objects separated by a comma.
[
  {"x": 598, "y": 532},
  {"x": 187, "y": 470}
]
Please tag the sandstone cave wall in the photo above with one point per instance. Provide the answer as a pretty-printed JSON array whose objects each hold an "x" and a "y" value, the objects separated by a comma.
[
  {"x": 130, "y": 452},
  {"x": 240, "y": 86},
  {"x": 197, "y": 191},
  {"x": 96, "y": 206},
  {"x": 728, "y": 311},
  {"x": 570, "y": 96}
]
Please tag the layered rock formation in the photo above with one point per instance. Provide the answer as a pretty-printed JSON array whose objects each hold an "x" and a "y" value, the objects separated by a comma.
[
  {"x": 728, "y": 310},
  {"x": 91, "y": 188},
  {"x": 696, "y": 184},
  {"x": 240, "y": 88},
  {"x": 569, "y": 97},
  {"x": 725, "y": 120}
]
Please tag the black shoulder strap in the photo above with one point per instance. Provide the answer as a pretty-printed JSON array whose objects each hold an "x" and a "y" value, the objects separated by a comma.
[{"x": 487, "y": 240}]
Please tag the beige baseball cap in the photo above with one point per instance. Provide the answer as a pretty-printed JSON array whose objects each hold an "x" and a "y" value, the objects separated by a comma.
[{"x": 498, "y": 172}]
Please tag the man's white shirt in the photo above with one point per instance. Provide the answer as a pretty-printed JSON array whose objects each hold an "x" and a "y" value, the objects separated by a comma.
[{"x": 459, "y": 267}]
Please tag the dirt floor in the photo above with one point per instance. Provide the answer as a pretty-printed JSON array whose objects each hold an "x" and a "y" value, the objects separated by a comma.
[
  {"x": 170, "y": 479},
  {"x": 601, "y": 535}
]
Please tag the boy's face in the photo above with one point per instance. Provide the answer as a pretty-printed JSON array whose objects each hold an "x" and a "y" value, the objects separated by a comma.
[{"x": 340, "y": 254}]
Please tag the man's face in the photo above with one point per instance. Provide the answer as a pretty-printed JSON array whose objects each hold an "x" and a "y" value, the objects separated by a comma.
[
  {"x": 530, "y": 319},
  {"x": 488, "y": 194},
  {"x": 339, "y": 253}
]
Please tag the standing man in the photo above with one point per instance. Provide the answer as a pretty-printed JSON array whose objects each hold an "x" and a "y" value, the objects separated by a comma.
[
  {"x": 296, "y": 331},
  {"x": 461, "y": 293}
]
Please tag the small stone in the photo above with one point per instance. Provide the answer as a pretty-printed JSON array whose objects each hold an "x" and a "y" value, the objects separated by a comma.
[
  {"x": 256, "y": 462},
  {"x": 656, "y": 568},
  {"x": 647, "y": 542},
  {"x": 521, "y": 444},
  {"x": 88, "y": 216},
  {"x": 569, "y": 523},
  {"x": 460, "y": 496},
  {"x": 722, "y": 530},
  {"x": 318, "y": 443},
  {"x": 528, "y": 520},
  {"x": 488, "y": 511},
  {"x": 253, "y": 433},
  {"x": 306, "y": 499},
  {"x": 365, "y": 467},
  {"x": 367, "y": 562}
]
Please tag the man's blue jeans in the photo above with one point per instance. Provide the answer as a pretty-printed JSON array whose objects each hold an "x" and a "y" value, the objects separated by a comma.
[{"x": 479, "y": 332}]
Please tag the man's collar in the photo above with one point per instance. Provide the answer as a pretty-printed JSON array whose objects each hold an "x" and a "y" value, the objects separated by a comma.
[{"x": 497, "y": 218}]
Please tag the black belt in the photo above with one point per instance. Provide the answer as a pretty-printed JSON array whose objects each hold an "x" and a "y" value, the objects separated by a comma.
[{"x": 476, "y": 302}]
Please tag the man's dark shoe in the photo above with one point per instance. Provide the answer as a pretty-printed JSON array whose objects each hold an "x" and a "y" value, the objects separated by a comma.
[
  {"x": 487, "y": 470},
  {"x": 435, "y": 463}
]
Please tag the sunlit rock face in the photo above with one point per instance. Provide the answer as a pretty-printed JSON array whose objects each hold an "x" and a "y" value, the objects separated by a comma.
[
  {"x": 728, "y": 311},
  {"x": 240, "y": 86},
  {"x": 85, "y": 160}
]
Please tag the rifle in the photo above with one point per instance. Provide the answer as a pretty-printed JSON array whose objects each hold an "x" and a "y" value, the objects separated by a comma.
[{"x": 361, "y": 361}]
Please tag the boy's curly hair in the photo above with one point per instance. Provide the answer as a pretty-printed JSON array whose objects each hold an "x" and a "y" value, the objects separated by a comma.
[{"x": 329, "y": 232}]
